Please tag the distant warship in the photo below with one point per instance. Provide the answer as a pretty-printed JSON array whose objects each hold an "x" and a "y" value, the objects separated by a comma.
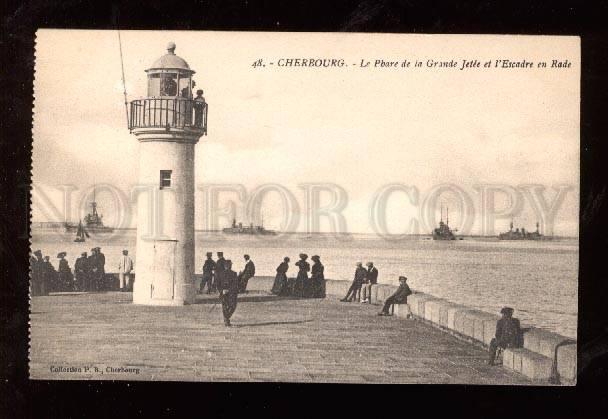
[
  {"x": 93, "y": 221},
  {"x": 522, "y": 234},
  {"x": 250, "y": 229},
  {"x": 443, "y": 232}
]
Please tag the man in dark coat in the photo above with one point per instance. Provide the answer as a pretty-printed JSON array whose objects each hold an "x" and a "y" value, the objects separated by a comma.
[
  {"x": 317, "y": 278},
  {"x": 101, "y": 263},
  {"x": 66, "y": 279},
  {"x": 93, "y": 271},
  {"x": 49, "y": 276},
  {"x": 80, "y": 272},
  {"x": 37, "y": 280},
  {"x": 247, "y": 274},
  {"x": 508, "y": 334},
  {"x": 360, "y": 274},
  {"x": 229, "y": 288},
  {"x": 208, "y": 268},
  {"x": 398, "y": 297},
  {"x": 280, "y": 280},
  {"x": 220, "y": 267},
  {"x": 371, "y": 279}
]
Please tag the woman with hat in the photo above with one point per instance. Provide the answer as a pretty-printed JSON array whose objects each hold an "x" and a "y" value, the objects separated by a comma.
[
  {"x": 302, "y": 278},
  {"x": 280, "y": 280},
  {"x": 317, "y": 278},
  {"x": 66, "y": 279}
]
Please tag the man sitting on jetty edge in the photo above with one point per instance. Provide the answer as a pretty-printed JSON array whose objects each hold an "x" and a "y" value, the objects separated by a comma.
[
  {"x": 399, "y": 297},
  {"x": 508, "y": 334}
]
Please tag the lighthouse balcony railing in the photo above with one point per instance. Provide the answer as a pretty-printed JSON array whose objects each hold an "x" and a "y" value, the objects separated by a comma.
[{"x": 168, "y": 113}]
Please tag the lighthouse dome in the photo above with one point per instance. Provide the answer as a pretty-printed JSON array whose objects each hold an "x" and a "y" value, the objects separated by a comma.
[{"x": 170, "y": 61}]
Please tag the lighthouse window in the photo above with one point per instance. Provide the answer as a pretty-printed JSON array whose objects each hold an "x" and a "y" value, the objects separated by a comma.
[
  {"x": 154, "y": 85},
  {"x": 165, "y": 179},
  {"x": 168, "y": 84}
]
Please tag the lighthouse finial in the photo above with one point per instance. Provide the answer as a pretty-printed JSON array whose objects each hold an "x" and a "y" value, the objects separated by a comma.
[{"x": 171, "y": 47}]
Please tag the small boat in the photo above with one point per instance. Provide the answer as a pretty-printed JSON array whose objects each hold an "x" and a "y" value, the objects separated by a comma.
[{"x": 81, "y": 233}]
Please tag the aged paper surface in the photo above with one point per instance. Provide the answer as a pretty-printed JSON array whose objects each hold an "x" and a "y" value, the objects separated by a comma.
[{"x": 388, "y": 208}]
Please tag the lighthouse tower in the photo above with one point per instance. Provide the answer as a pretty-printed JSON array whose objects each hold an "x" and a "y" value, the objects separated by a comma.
[{"x": 167, "y": 123}]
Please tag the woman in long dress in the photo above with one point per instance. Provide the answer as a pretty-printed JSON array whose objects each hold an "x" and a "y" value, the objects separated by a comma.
[
  {"x": 302, "y": 279},
  {"x": 317, "y": 278},
  {"x": 280, "y": 280}
]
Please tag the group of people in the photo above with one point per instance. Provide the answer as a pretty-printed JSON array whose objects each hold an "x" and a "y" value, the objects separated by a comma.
[
  {"x": 213, "y": 271},
  {"x": 361, "y": 289},
  {"x": 303, "y": 286},
  {"x": 219, "y": 277},
  {"x": 88, "y": 275}
]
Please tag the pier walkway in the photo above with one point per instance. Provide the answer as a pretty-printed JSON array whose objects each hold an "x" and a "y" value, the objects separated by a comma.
[{"x": 105, "y": 336}]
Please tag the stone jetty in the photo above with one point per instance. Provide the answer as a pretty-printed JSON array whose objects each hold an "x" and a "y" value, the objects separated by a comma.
[{"x": 104, "y": 336}]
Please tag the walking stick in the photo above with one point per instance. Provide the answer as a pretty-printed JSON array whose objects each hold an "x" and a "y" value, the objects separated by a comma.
[{"x": 214, "y": 304}]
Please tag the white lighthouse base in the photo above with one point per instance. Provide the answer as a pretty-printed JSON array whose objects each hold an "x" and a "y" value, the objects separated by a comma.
[
  {"x": 164, "y": 278},
  {"x": 188, "y": 291}
]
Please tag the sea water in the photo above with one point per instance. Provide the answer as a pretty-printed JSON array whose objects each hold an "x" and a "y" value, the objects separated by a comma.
[{"x": 539, "y": 279}]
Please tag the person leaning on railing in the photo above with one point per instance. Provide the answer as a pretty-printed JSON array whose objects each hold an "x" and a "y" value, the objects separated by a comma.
[{"x": 199, "y": 108}]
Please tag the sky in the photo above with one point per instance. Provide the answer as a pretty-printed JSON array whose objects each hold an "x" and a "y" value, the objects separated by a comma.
[{"x": 359, "y": 128}]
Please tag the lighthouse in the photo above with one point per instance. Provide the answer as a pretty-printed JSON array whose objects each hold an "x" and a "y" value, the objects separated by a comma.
[{"x": 168, "y": 123}]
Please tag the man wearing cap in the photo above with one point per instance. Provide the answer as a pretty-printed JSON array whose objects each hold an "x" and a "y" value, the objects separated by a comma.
[
  {"x": 371, "y": 279},
  {"x": 80, "y": 272},
  {"x": 398, "y": 297},
  {"x": 208, "y": 268},
  {"x": 508, "y": 333},
  {"x": 101, "y": 264},
  {"x": 36, "y": 265},
  {"x": 228, "y": 286},
  {"x": 49, "y": 276},
  {"x": 93, "y": 267},
  {"x": 125, "y": 266},
  {"x": 355, "y": 288},
  {"x": 220, "y": 267},
  {"x": 91, "y": 271},
  {"x": 65, "y": 273},
  {"x": 247, "y": 274}
]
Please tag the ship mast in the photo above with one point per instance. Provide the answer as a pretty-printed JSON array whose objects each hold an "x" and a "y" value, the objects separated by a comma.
[{"x": 94, "y": 204}]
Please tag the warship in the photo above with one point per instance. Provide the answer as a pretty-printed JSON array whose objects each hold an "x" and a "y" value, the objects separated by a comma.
[
  {"x": 93, "y": 221},
  {"x": 522, "y": 234},
  {"x": 250, "y": 229},
  {"x": 443, "y": 232}
]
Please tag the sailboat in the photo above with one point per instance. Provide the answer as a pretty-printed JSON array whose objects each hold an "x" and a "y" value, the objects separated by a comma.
[{"x": 81, "y": 233}]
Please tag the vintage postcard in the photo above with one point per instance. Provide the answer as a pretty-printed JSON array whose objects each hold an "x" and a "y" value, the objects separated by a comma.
[{"x": 305, "y": 207}]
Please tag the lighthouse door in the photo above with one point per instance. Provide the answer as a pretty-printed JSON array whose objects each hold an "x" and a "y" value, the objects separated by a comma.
[{"x": 163, "y": 278}]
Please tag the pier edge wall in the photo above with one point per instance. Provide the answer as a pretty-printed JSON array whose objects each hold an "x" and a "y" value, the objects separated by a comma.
[{"x": 545, "y": 356}]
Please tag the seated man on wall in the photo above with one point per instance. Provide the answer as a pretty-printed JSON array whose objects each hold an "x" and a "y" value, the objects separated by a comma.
[
  {"x": 399, "y": 297},
  {"x": 508, "y": 333}
]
